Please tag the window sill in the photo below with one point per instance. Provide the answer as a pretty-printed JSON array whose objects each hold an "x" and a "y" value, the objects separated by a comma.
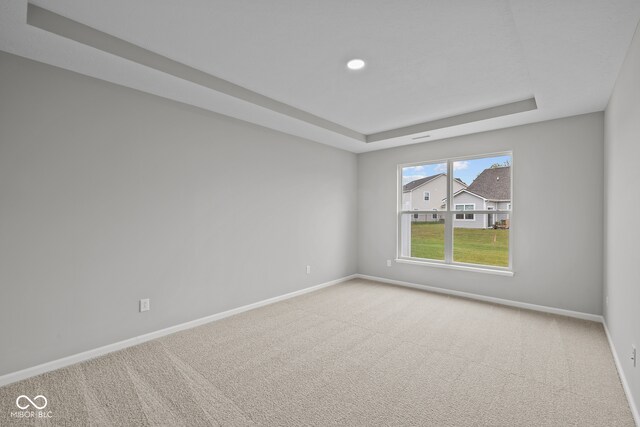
[{"x": 495, "y": 271}]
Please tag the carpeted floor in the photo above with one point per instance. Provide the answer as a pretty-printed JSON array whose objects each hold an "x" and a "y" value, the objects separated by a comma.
[{"x": 359, "y": 353}]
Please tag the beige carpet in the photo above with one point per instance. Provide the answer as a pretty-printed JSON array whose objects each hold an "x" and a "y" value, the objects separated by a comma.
[{"x": 359, "y": 353}]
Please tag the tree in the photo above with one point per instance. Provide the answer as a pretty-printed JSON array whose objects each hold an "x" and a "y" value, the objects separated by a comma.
[{"x": 501, "y": 165}]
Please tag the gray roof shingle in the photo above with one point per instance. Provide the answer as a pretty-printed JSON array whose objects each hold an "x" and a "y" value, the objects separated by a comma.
[
  {"x": 493, "y": 184},
  {"x": 418, "y": 182}
]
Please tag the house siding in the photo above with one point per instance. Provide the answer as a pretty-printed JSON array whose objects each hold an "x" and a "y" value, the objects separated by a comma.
[
  {"x": 480, "y": 220},
  {"x": 437, "y": 188}
]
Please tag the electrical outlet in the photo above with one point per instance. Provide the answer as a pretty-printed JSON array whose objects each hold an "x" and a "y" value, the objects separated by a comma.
[
  {"x": 388, "y": 263},
  {"x": 145, "y": 305},
  {"x": 634, "y": 356},
  {"x": 308, "y": 269}
]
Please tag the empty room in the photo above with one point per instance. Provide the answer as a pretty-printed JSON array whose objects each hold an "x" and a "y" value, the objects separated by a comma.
[{"x": 317, "y": 213}]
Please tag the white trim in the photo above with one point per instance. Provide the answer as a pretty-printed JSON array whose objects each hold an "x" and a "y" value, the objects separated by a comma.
[
  {"x": 510, "y": 303},
  {"x": 109, "y": 348},
  {"x": 623, "y": 378},
  {"x": 448, "y": 218},
  {"x": 478, "y": 268},
  {"x": 426, "y": 196},
  {"x": 464, "y": 190}
]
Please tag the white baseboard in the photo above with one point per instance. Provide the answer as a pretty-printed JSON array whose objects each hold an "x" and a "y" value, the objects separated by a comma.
[
  {"x": 90, "y": 354},
  {"x": 535, "y": 307},
  {"x": 623, "y": 378}
]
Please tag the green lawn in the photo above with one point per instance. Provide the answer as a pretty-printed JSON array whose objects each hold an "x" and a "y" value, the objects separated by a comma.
[{"x": 475, "y": 246}]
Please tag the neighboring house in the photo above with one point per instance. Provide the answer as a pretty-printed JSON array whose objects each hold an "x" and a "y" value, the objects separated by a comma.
[
  {"x": 428, "y": 194},
  {"x": 491, "y": 190}
]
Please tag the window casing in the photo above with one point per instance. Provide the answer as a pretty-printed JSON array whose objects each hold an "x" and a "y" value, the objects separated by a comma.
[
  {"x": 427, "y": 195},
  {"x": 452, "y": 218}
]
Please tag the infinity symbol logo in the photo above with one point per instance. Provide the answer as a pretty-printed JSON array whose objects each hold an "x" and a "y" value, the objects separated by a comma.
[{"x": 23, "y": 397}]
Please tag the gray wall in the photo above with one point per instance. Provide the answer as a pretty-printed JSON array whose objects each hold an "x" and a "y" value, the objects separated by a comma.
[
  {"x": 557, "y": 165},
  {"x": 622, "y": 201},
  {"x": 109, "y": 195}
]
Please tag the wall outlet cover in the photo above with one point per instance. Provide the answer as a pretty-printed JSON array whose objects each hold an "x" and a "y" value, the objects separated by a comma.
[{"x": 145, "y": 305}]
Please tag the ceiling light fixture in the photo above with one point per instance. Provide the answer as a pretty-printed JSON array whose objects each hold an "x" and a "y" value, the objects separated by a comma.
[{"x": 356, "y": 64}]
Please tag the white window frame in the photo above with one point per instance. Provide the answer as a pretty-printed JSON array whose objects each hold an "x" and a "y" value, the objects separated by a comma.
[
  {"x": 426, "y": 196},
  {"x": 464, "y": 209},
  {"x": 449, "y": 216}
]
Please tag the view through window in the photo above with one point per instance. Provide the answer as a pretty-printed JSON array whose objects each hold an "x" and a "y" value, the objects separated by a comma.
[{"x": 474, "y": 228}]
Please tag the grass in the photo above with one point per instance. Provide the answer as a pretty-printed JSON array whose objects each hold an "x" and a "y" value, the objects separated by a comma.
[
  {"x": 470, "y": 245},
  {"x": 427, "y": 240}
]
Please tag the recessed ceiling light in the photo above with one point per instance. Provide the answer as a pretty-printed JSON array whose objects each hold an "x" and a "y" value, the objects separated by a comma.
[{"x": 356, "y": 64}]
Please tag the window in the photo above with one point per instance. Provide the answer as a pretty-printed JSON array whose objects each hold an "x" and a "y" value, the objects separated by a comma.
[
  {"x": 465, "y": 217},
  {"x": 473, "y": 229}
]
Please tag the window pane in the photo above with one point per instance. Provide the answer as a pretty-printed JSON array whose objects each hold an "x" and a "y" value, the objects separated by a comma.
[
  {"x": 422, "y": 237},
  {"x": 485, "y": 240},
  {"x": 483, "y": 183},
  {"x": 479, "y": 207},
  {"x": 424, "y": 187}
]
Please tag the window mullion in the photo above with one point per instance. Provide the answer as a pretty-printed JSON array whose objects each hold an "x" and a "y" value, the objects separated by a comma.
[{"x": 448, "y": 222}]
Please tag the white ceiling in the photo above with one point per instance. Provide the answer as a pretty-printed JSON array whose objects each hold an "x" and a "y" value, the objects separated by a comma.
[{"x": 426, "y": 60}]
